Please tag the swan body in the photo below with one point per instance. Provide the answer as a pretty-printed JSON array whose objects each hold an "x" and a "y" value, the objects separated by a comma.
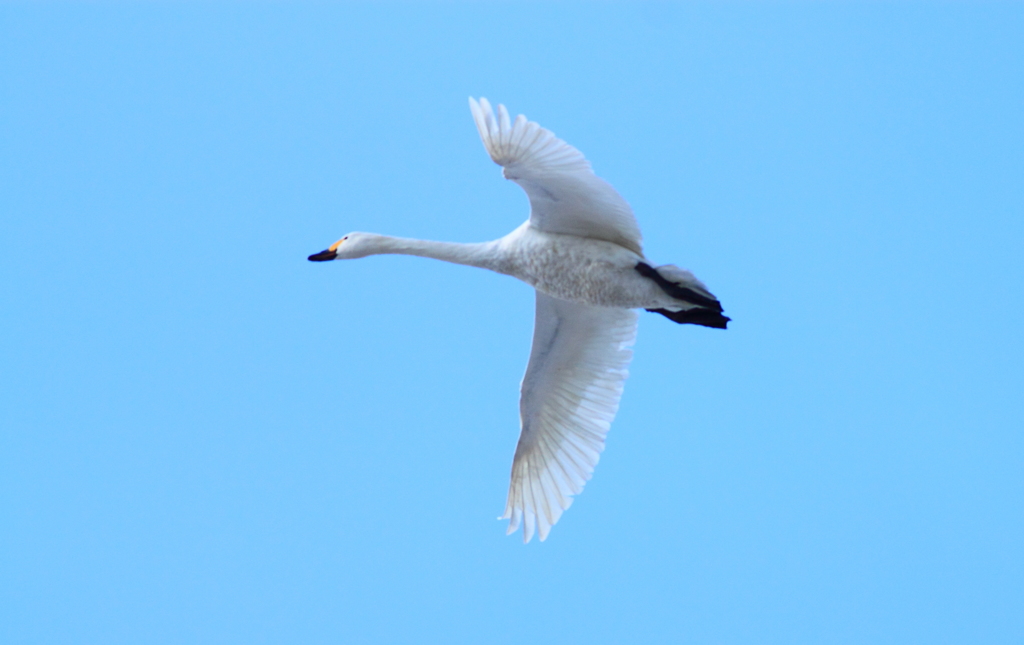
[
  {"x": 581, "y": 251},
  {"x": 602, "y": 272}
]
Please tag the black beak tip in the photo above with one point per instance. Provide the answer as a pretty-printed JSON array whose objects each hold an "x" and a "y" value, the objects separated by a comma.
[{"x": 323, "y": 256}]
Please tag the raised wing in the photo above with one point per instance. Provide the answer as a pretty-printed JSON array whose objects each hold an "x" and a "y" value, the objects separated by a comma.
[
  {"x": 565, "y": 194},
  {"x": 570, "y": 395}
]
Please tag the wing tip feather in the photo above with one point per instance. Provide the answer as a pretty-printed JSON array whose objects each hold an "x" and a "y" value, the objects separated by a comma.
[{"x": 509, "y": 142}]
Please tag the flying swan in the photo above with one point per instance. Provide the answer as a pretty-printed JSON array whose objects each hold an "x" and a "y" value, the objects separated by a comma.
[{"x": 580, "y": 250}]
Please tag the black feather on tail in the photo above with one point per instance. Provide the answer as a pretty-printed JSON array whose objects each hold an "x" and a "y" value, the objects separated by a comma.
[
  {"x": 707, "y": 311},
  {"x": 695, "y": 316}
]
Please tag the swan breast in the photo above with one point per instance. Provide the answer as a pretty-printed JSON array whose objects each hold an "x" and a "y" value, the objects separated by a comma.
[{"x": 578, "y": 269}]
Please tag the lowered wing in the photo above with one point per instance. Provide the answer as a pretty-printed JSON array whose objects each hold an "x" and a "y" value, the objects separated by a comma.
[{"x": 570, "y": 395}]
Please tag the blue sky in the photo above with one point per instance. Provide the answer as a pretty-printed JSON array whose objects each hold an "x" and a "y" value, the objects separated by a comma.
[{"x": 208, "y": 439}]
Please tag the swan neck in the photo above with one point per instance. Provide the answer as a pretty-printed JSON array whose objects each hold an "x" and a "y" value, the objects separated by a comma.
[{"x": 482, "y": 254}]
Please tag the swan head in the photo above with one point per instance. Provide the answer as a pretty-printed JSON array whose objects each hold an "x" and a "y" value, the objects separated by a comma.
[{"x": 353, "y": 245}]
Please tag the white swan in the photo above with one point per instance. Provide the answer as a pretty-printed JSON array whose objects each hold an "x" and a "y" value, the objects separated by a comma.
[{"x": 580, "y": 249}]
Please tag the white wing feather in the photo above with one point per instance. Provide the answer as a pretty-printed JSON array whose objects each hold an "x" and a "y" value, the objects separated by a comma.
[
  {"x": 565, "y": 194},
  {"x": 570, "y": 395}
]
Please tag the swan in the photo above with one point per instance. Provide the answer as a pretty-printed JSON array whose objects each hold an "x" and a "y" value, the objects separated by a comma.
[{"x": 581, "y": 251}]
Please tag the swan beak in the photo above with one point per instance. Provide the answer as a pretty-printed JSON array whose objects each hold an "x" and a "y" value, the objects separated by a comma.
[{"x": 323, "y": 256}]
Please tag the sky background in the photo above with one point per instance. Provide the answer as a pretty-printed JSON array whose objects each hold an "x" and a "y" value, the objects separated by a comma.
[{"x": 208, "y": 439}]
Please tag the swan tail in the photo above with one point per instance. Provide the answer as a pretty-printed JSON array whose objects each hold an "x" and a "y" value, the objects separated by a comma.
[
  {"x": 699, "y": 306},
  {"x": 695, "y": 316}
]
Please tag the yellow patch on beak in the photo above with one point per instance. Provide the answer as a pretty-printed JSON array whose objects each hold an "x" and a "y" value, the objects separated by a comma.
[{"x": 334, "y": 247}]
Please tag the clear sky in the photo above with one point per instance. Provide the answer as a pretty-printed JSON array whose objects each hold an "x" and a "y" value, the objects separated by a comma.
[{"x": 208, "y": 439}]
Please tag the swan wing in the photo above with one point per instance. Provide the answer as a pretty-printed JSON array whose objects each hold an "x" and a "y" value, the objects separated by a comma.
[
  {"x": 565, "y": 194},
  {"x": 570, "y": 395}
]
